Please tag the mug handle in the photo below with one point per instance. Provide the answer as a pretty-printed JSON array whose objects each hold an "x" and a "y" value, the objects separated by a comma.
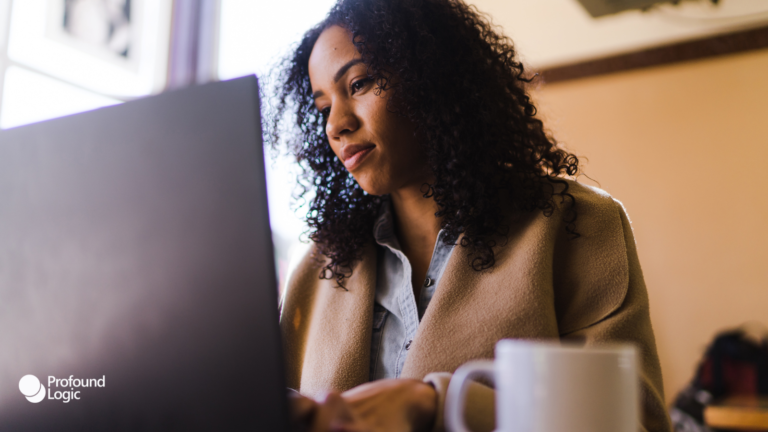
[{"x": 457, "y": 391}]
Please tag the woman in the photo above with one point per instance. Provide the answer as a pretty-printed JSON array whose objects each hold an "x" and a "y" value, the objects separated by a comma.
[{"x": 442, "y": 220}]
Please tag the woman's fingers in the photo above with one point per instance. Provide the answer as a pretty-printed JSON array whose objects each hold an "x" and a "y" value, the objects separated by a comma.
[
  {"x": 384, "y": 405},
  {"x": 302, "y": 407},
  {"x": 393, "y": 405},
  {"x": 334, "y": 415},
  {"x": 302, "y": 411}
]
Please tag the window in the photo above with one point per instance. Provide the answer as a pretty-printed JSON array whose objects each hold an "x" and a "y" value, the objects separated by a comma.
[
  {"x": 29, "y": 97},
  {"x": 62, "y": 57},
  {"x": 254, "y": 36}
]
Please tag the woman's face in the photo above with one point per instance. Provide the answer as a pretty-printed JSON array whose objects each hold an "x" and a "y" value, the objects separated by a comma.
[{"x": 377, "y": 146}]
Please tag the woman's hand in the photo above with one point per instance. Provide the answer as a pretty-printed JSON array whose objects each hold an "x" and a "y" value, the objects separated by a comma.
[
  {"x": 384, "y": 405},
  {"x": 393, "y": 405},
  {"x": 328, "y": 414}
]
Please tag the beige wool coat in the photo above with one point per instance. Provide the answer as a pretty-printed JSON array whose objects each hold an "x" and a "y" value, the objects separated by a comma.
[{"x": 543, "y": 286}]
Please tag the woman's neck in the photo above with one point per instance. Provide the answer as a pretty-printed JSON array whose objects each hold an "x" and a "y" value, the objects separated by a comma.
[{"x": 417, "y": 229}]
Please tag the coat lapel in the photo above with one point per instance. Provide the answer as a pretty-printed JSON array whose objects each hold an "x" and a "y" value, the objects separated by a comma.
[
  {"x": 331, "y": 328},
  {"x": 543, "y": 285},
  {"x": 515, "y": 296}
]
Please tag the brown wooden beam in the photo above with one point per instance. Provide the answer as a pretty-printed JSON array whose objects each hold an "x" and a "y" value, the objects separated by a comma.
[{"x": 691, "y": 50}]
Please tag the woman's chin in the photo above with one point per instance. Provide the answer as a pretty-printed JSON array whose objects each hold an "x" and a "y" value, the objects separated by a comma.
[
  {"x": 382, "y": 183},
  {"x": 378, "y": 191},
  {"x": 371, "y": 186}
]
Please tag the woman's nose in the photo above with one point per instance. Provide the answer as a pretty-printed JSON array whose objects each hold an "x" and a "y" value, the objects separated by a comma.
[{"x": 341, "y": 121}]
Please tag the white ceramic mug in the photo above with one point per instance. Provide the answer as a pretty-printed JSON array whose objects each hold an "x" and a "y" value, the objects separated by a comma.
[{"x": 549, "y": 387}]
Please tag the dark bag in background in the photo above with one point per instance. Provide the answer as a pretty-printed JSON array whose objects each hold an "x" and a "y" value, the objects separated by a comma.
[{"x": 735, "y": 364}]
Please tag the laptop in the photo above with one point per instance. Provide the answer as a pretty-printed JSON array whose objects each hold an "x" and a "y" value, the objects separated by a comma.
[{"x": 137, "y": 277}]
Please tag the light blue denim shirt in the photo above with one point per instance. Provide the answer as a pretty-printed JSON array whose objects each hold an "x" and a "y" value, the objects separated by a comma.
[{"x": 396, "y": 314}]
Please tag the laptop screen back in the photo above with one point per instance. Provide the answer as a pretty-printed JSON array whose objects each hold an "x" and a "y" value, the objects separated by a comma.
[{"x": 137, "y": 283}]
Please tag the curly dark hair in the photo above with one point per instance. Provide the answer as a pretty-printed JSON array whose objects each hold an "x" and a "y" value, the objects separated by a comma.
[{"x": 458, "y": 80}]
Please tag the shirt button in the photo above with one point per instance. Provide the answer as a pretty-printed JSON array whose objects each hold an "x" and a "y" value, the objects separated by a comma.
[
  {"x": 408, "y": 345},
  {"x": 428, "y": 282}
]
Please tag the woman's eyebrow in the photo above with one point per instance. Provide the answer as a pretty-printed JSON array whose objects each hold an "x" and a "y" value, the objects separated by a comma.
[
  {"x": 342, "y": 70},
  {"x": 340, "y": 73}
]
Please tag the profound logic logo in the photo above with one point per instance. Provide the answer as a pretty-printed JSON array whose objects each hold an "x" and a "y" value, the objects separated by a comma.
[
  {"x": 32, "y": 388},
  {"x": 34, "y": 391}
]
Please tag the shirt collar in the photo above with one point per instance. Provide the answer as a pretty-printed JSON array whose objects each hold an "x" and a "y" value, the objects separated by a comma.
[{"x": 384, "y": 227}]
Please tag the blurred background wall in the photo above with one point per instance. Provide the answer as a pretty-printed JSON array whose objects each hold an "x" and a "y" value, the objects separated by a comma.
[{"x": 683, "y": 146}]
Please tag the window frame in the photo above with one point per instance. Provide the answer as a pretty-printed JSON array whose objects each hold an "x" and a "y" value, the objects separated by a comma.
[
  {"x": 198, "y": 41},
  {"x": 5, "y": 29}
]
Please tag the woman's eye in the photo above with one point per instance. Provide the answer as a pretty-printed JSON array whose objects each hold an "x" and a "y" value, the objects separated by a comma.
[
  {"x": 325, "y": 112},
  {"x": 359, "y": 85}
]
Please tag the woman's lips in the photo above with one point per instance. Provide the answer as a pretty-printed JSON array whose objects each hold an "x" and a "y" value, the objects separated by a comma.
[{"x": 354, "y": 154}]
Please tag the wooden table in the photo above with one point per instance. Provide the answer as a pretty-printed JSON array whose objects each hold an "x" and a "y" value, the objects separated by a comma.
[{"x": 738, "y": 413}]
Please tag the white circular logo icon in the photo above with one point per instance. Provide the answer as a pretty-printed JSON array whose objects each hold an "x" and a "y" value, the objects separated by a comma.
[{"x": 31, "y": 387}]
